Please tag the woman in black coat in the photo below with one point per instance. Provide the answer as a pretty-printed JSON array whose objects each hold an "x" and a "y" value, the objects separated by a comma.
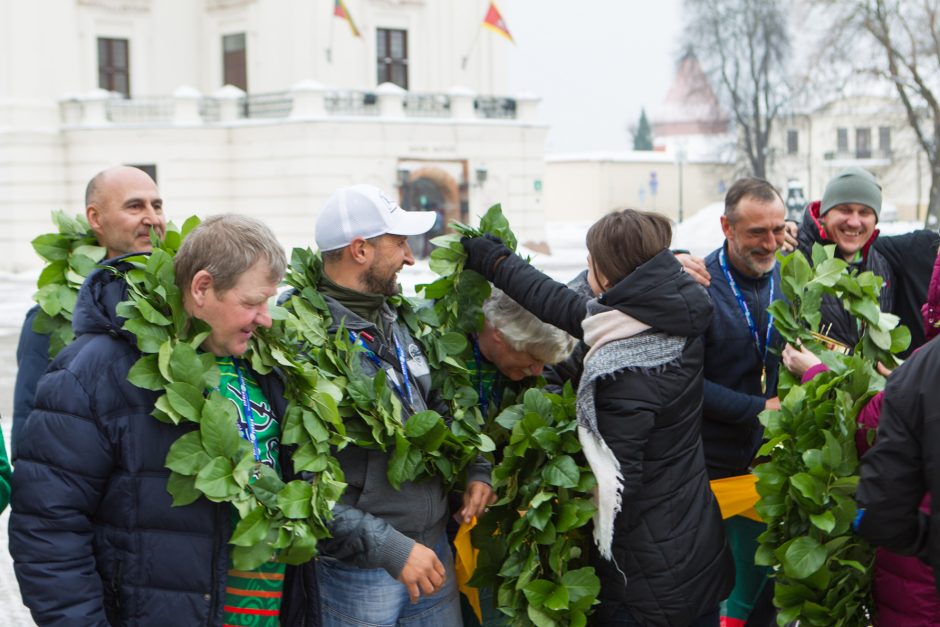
[{"x": 661, "y": 553}]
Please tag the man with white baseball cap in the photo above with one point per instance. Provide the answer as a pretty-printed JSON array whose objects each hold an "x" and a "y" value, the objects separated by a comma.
[
  {"x": 366, "y": 211},
  {"x": 388, "y": 559}
]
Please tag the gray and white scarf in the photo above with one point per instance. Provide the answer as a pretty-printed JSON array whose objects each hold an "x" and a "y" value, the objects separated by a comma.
[{"x": 618, "y": 342}]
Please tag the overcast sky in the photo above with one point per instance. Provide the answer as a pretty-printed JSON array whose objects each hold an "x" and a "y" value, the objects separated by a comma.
[{"x": 594, "y": 62}]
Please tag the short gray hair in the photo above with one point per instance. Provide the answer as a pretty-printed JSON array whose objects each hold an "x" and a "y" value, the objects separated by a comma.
[
  {"x": 226, "y": 246},
  {"x": 524, "y": 332}
]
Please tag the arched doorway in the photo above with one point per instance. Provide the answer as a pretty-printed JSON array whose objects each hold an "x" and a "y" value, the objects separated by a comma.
[{"x": 431, "y": 189}]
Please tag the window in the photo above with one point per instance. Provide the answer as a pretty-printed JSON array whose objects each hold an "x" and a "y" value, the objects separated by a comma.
[
  {"x": 842, "y": 140},
  {"x": 863, "y": 143},
  {"x": 392, "y": 56},
  {"x": 234, "y": 65},
  {"x": 793, "y": 142},
  {"x": 884, "y": 140},
  {"x": 114, "y": 73},
  {"x": 149, "y": 168}
]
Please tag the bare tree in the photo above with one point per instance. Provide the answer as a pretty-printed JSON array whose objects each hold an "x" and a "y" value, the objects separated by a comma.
[
  {"x": 744, "y": 46},
  {"x": 898, "y": 42}
]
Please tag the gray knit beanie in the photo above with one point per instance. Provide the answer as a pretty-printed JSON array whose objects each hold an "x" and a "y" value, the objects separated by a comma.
[{"x": 852, "y": 185}]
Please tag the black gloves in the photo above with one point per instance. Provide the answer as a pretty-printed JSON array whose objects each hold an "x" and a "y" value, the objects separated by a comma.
[{"x": 484, "y": 253}]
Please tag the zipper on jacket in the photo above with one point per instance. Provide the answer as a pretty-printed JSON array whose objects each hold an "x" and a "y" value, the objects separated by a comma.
[
  {"x": 115, "y": 586},
  {"x": 213, "y": 600}
]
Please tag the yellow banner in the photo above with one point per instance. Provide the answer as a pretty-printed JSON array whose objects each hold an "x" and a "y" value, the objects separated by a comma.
[
  {"x": 465, "y": 563},
  {"x": 737, "y": 496}
]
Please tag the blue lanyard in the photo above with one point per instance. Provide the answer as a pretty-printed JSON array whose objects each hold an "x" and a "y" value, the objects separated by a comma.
[
  {"x": 481, "y": 392},
  {"x": 248, "y": 432},
  {"x": 404, "y": 369},
  {"x": 406, "y": 394},
  {"x": 747, "y": 314}
]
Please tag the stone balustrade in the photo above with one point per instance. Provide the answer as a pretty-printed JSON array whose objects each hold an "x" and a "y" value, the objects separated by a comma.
[{"x": 306, "y": 100}]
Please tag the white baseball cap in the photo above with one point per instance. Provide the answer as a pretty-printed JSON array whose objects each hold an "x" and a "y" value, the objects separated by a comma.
[{"x": 366, "y": 211}]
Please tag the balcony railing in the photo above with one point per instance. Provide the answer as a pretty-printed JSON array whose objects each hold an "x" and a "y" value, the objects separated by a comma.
[
  {"x": 351, "y": 102},
  {"x": 304, "y": 101},
  {"x": 141, "y": 110},
  {"x": 427, "y": 105},
  {"x": 858, "y": 154},
  {"x": 493, "y": 107}
]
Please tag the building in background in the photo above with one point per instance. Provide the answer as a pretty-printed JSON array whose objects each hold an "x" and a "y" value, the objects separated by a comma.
[
  {"x": 261, "y": 107},
  {"x": 872, "y": 132},
  {"x": 691, "y": 165}
]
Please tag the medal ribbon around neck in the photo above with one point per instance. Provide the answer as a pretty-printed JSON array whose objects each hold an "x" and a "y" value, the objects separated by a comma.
[
  {"x": 762, "y": 353},
  {"x": 250, "y": 432}
]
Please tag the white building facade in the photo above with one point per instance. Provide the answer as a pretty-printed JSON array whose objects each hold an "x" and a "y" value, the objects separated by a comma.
[
  {"x": 261, "y": 107},
  {"x": 872, "y": 132}
]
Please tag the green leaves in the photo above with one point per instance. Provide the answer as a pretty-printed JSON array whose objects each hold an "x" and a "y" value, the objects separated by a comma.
[
  {"x": 219, "y": 429},
  {"x": 804, "y": 557},
  {"x": 212, "y": 460},
  {"x": 295, "y": 499},
  {"x": 562, "y": 471},
  {"x": 539, "y": 476},
  {"x": 806, "y": 489},
  {"x": 538, "y": 559},
  {"x": 70, "y": 255},
  {"x": 187, "y": 456},
  {"x": 216, "y": 481}
]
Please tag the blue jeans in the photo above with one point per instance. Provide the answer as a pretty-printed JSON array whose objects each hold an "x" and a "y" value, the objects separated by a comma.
[{"x": 369, "y": 597}]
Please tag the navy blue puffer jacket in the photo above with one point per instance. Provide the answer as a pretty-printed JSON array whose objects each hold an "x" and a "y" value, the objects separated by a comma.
[{"x": 94, "y": 538}]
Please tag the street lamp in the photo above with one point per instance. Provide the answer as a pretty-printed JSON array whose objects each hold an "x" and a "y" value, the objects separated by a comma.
[
  {"x": 680, "y": 161},
  {"x": 404, "y": 180},
  {"x": 404, "y": 174},
  {"x": 481, "y": 174}
]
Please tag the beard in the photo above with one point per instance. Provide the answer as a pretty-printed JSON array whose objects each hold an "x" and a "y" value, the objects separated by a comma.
[
  {"x": 756, "y": 266},
  {"x": 377, "y": 283}
]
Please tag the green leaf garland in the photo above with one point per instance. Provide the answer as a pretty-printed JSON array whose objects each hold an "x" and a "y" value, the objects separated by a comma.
[
  {"x": 212, "y": 461},
  {"x": 823, "y": 570},
  {"x": 70, "y": 255},
  {"x": 533, "y": 541},
  {"x": 340, "y": 405}
]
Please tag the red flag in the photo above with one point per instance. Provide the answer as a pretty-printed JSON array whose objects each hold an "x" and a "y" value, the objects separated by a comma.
[
  {"x": 494, "y": 21},
  {"x": 340, "y": 10}
]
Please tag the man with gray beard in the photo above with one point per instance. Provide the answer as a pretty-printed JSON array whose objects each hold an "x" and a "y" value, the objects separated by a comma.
[{"x": 740, "y": 363}]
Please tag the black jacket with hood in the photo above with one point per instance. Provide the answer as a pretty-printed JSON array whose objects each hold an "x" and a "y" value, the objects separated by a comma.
[
  {"x": 904, "y": 464},
  {"x": 671, "y": 560}
]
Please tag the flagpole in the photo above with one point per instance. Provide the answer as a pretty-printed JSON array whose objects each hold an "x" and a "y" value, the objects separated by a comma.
[
  {"x": 463, "y": 62},
  {"x": 329, "y": 48}
]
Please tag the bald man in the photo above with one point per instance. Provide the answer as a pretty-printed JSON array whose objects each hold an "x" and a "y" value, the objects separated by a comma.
[{"x": 122, "y": 205}]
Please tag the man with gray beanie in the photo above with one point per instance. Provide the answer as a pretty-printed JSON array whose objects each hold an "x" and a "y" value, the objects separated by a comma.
[
  {"x": 846, "y": 216},
  {"x": 388, "y": 561}
]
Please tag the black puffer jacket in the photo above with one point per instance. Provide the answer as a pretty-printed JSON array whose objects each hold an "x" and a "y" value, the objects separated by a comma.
[
  {"x": 669, "y": 541},
  {"x": 94, "y": 537},
  {"x": 904, "y": 463},
  {"x": 911, "y": 258},
  {"x": 844, "y": 326}
]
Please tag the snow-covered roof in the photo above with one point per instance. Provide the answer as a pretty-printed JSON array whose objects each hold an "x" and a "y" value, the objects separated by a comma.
[{"x": 634, "y": 156}]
